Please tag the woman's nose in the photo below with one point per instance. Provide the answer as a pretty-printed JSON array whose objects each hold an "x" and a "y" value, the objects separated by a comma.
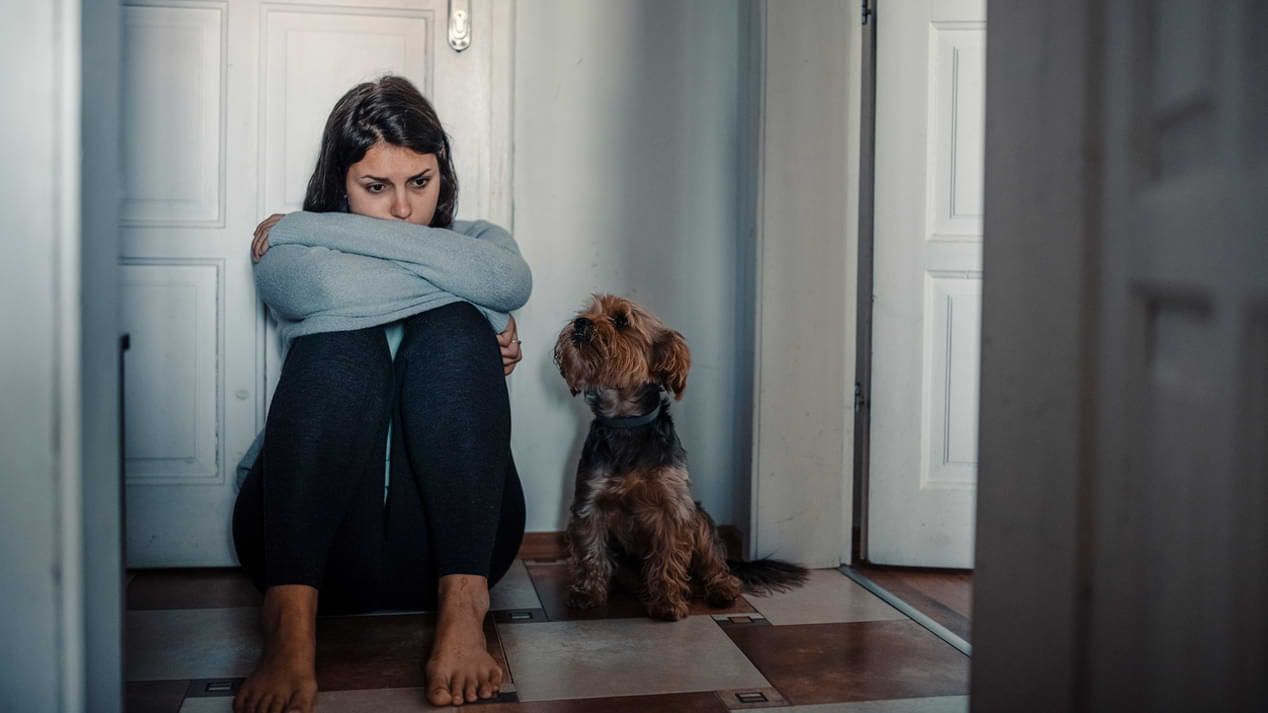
[{"x": 400, "y": 206}]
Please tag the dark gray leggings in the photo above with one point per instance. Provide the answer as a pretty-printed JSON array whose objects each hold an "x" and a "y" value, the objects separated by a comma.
[{"x": 312, "y": 510}]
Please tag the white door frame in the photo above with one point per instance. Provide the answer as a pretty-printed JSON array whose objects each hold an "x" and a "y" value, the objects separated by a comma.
[
  {"x": 1027, "y": 582},
  {"x": 805, "y": 275},
  {"x": 59, "y": 445}
]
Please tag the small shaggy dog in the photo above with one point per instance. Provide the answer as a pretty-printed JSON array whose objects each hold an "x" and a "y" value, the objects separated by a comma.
[{"x": 633, "y": 499}]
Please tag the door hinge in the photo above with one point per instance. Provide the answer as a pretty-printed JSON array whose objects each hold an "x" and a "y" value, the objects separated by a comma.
[
  {"x": 867, "y": 11},
  {"x": 858, "y": 397},
  {"x": 459, "y": 24}
]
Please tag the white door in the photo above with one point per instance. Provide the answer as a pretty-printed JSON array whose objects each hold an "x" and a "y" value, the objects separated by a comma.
[
  {"x": 224, "y": 103},
  {"x": 1179, "y": 414},
  {"x": 930, "y": 85}
]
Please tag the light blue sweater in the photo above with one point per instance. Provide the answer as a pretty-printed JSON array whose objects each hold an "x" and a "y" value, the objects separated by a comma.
[{"x": 332, "y": 272}]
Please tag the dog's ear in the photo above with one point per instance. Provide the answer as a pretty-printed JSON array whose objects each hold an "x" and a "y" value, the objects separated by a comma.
[{"x": 671, "y": 360}]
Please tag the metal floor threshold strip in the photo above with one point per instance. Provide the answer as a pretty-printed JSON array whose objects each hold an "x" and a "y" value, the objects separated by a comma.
[{"x": 908, "y": 610}]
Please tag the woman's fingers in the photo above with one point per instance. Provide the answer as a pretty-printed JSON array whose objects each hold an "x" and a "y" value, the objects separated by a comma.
[
  {"x": 268, "y": 223},
  {"x": 260, "y": 238},
  {"x": 512, "y": 352},
  {"x": 259, "y": 246},
  {"x": 511, "y": 355}
]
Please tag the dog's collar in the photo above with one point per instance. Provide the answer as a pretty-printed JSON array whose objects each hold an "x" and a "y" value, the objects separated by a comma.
[{"x": 629, "y": 421}]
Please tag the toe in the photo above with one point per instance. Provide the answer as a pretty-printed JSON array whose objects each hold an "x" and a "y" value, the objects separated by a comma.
[
  {"x": 485, "y": 690},
  {"x": 471, "y": 690},
  {"x": 439, "y": 695},
  {"x": 438, "y": 690},
  {"x": 303, "y": 701}
]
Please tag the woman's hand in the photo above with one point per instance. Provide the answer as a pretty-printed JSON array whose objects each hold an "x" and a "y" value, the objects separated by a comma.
[
  {"x": 509, "y": 341},
  {"x": 260, "y": 244}
]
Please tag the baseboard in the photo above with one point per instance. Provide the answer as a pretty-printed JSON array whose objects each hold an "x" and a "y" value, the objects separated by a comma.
[
  {"x": 550, "y": 545},
  {"x": 542, "y": 546}
]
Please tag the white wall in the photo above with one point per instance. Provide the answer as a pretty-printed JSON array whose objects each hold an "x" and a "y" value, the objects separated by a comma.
[{"x": 627, "y": 118}]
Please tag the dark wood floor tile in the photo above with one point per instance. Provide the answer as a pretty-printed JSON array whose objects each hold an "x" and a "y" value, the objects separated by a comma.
[
  {"x": 552, "y": 581},
  {"x": 191, "y": 589},
  {"x": 664, "y": 703},
  {"x": 154, "y": 696},
  {"x": 382, "y": 651},
  {"x": 946, "y": 596},
  {"x": 859, "y": 661}
]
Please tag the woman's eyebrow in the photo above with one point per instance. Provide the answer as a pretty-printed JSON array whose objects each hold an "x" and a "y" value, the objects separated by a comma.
[{"x": 386, "y": 180}]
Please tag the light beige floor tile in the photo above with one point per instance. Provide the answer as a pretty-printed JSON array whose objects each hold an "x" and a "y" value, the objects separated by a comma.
[
  {"x": 940, "y": 704},
  {"x": 514, "y": 591},
  {"x": 166, "y": 644},
  {"x": 624, "y": 657},
  {"x": 828, "y": 597}
]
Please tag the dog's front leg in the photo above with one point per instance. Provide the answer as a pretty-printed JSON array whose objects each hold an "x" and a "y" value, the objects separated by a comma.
[
  {"x": 709, "y": 567},
  {"x": 666, "y": 572},
  {"x": 591, "y": 561}
]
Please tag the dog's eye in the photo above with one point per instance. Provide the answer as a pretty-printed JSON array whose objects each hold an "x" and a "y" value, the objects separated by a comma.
[{"x": 620, "y": 321}]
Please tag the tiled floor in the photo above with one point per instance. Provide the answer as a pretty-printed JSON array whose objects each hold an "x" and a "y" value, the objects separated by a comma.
[
  {"x": 946, "y": 596},
  {"x": 830, "y": 647}
]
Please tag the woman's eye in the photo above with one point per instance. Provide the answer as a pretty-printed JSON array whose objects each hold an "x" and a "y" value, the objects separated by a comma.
[
  {"x": 375, "y": 188},
  {"x": 420, "y": 182}
]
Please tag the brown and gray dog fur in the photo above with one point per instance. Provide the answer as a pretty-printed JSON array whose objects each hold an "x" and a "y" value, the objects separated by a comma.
[{"x": 633, "y": 500}]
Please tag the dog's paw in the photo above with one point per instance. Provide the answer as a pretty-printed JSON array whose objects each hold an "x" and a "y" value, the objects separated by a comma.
[
  {"x": 723, "y": 593},
  {"x": 585, "y": 600},
  {"x": 667, "y": 611}
]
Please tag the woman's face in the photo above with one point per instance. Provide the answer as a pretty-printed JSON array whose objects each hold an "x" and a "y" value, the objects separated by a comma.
[{"x": 392, "y": 182}]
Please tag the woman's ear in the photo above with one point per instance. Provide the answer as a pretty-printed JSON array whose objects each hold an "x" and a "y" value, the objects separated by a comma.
[{"x": 671, "y": 360}]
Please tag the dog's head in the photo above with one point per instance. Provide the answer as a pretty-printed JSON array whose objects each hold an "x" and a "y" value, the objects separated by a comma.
[{"x": 616, "y": 344}]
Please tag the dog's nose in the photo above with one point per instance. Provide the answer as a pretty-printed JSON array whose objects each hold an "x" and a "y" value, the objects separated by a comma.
[{"x": 581, "y": 328}]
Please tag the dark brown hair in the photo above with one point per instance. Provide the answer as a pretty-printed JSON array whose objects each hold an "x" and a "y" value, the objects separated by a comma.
[{"x": 389, "y": 109}]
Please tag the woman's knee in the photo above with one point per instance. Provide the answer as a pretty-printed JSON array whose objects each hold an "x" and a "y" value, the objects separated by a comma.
[
  {"x": 353, "y": 362},
  {"x": 357, "y": 347},
  {"x": 460, "y": 327}
]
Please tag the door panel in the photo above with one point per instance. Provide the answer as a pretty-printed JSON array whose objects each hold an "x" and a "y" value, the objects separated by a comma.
[
  {"x": 927, "y": 285},
  {"x": 224, "y": 103}
]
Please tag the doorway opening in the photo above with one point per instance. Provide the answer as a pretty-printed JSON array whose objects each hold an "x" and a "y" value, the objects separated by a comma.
[{"x": 919, "y": 296}]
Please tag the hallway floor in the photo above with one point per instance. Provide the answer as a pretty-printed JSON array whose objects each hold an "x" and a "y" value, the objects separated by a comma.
[{"x": 829, "y": 647}]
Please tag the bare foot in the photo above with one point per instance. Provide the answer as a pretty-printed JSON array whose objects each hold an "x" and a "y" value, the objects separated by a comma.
[
  {"x": 460, "y": 669},
  {"x": 285, "y": 680}
]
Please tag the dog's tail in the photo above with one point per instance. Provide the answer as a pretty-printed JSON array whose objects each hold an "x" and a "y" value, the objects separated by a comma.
[{"x": 766, "y": 575}]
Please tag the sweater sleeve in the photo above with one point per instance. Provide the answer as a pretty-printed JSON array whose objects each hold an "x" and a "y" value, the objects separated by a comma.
[
  {"x": 299, "y": 282},
  {"x": 477, "y": 261}
]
